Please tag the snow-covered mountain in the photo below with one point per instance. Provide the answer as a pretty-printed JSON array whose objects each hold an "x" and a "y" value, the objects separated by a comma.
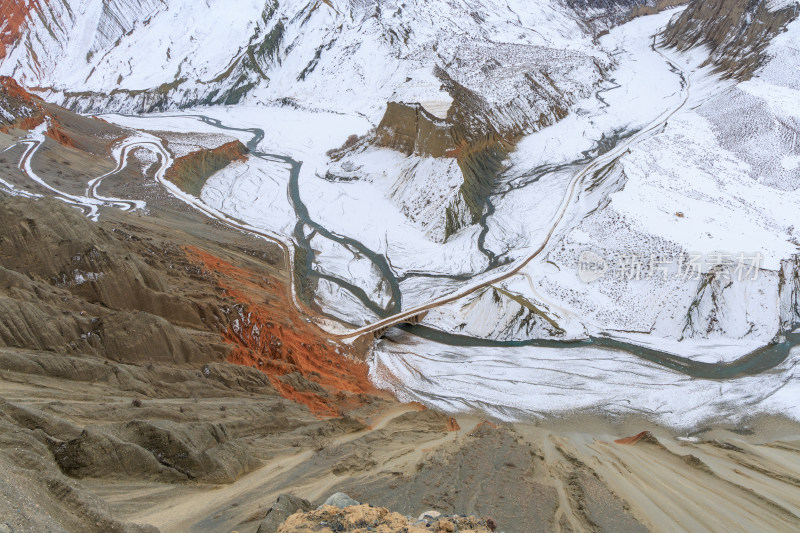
[
  {"x": 154, "y": 54},
  {"x": 481, "y": 73},
  {"x": 452, "y": 89},
  {"x": 412, "y": 151}
]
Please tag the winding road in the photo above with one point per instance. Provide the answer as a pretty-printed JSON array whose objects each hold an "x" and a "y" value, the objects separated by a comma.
[
  {"x": 90, "y": 203},
  {"x": 602, "y": 161},
  {"x": 93, "y": 200},
  {"x": 756, "y": 362}
]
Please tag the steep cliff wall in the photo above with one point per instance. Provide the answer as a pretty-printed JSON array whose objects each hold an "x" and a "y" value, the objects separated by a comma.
[
  {"x": 18, "y": 109},
  {"x": 410, "y": 129},
  {"x": 602, "y": 15},
  {"x": 15, "y": 14},
  {"x": 737, "y": 32},
  {"x": 191, "y": 171},
  {"x": 475, "y": 131}
]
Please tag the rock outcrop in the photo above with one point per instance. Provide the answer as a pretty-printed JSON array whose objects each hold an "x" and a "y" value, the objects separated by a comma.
[
  {"x": 736, "y": 32},
  {"x": 21, "y": 110},
  {"x": 18, "y": 109},
  {"x": 190, "y": 172},
  {"x": 475, "y": 132},
  {"x": 602, "y": 15},
  {"x": 285, "y": 506},
  {"x": 340, "y": 500},
  {"x": 410, "y": 129}
]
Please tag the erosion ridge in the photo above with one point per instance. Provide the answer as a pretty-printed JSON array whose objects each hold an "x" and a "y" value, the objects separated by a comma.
[
  {"x": 134, "y": 298},
  {"x": 124, "y": 308},
  {"x": 191, "y": 171},
  {"x": 737, "y": 32},
  {"x": 304, "y": 366},
  {"x": 15, "y": 14},
  {"x": 158, "y": 373}
]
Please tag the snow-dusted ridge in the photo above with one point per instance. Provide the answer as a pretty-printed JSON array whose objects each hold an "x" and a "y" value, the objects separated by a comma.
[
  {"x": 142, "y": 55},
  {"x": 717, "y": 177},
  {"x": 653, "y": 154}
]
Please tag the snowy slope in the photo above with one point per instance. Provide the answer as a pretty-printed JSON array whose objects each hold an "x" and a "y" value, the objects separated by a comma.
[
  {"x": 488, "y": 68},
  {"x": 94, "y": 45},
  {"x": 720, "y": 179},
  {"x": 341, "y": 55},
  {"x": 718, "y": 183}
]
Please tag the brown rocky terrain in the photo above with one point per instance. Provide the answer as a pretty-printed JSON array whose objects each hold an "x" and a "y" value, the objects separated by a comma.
[
  {"x": 410, "y": 129},
  {"x": 98, "y": 445},
  {"x": 737, "y": 32},
  {"x": 190, "y": 172},
  {"x": 131, "y": 299}
]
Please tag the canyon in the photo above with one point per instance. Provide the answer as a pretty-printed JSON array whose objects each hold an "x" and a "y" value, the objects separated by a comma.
[{"x": 321, "y": 247}]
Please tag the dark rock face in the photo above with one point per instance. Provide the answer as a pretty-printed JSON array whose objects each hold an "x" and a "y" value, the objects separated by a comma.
[
  {"x": 284, "y": 507},
  {"x": 602, "y": 15},
  {"x": 191, "y": 171},
  {"x": 736, "y": 31},
  {"x": 409, "y": 129}
]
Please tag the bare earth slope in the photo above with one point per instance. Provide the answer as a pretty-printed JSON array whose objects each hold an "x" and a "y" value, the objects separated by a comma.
[{"x": 158, "y": 372}]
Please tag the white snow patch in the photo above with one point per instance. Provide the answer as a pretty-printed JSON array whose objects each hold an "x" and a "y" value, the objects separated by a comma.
[
  {"x": 530, "y": 382},
  {"x": 424, "y": 88}
]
